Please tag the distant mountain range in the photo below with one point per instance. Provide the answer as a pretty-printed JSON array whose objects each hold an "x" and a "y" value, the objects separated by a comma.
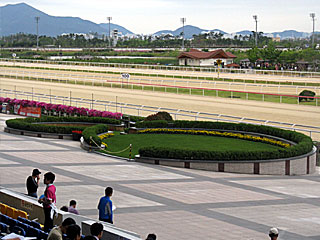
[
  {"x": 189, "y": 31},
  {"x": 20, "y": 18}
]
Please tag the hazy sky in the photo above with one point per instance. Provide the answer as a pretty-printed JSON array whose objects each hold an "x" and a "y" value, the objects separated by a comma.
[{"x": 149, "y": 16}]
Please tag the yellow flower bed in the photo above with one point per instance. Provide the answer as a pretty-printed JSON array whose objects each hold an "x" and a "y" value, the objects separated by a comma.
[
  {"x": 106, "y": 135},
  {"x": 216, "y": 133}
]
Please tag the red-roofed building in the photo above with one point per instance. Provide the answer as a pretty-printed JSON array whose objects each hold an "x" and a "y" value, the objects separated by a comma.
[{"x": 206, "y": 59}]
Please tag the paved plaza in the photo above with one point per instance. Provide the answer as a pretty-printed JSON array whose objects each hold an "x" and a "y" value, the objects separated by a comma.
[{"x": 174, "y": 203}]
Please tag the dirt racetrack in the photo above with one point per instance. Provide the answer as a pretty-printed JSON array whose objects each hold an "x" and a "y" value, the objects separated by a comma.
[
  {"x": 247, "y": 76},
  {"x": 295, "y": 114},
  {"x": 100, "y": 78}
]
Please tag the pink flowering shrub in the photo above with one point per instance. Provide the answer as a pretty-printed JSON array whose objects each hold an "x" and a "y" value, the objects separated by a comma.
[{"x": 62, "y": 108}]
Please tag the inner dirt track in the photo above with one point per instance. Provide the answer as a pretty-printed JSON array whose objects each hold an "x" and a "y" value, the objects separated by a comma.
[
  {"x": 87, "y": 67},
  {"x": 101, "y": 78}
]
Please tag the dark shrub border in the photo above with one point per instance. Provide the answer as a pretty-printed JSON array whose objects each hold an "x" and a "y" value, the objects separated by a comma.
[
  {"x": 28, "y": 123},
  {"x": 304, "y": 143},
  {"x": 91, "y": 133}
]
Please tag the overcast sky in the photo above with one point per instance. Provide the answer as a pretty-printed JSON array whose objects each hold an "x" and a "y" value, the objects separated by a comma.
[{"x": 149, "y": 16}]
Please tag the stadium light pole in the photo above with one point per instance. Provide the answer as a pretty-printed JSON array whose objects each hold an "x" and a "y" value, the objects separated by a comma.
[
  {"x": 37, "y": 20},
  {"x": 109, "y": 19},
  {"x": 255, "y": 17},
  {"x": 183, "y": 20},
  {"x": 313, "y": 15}
]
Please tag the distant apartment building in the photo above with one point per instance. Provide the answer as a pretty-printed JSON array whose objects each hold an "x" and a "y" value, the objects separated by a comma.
[
  {"x": 205, "y": 59},
  {"x": 276, "y": 39}
]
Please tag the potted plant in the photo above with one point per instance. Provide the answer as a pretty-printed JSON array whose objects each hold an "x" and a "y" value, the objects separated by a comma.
[{"x": 76, "y": 135}]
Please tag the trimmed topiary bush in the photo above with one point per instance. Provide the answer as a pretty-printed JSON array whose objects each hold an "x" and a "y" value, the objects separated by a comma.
[
  {"x": 306, "y": 95},
  {"x": 159, "y": 116}
]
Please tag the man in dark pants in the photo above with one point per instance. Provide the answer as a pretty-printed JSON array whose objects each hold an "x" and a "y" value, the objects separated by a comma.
[
  {"x": 33, "y": 183},
  {"x": 105, "y": 206},
  {"x": 48, "y": 200}
]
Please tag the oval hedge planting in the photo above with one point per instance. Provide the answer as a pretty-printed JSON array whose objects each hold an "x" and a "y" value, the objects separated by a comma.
[
  {"x": 34, "y": 124},
  {"x": 303, "y": 145}
]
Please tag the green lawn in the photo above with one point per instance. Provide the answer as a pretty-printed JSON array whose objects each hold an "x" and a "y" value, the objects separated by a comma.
[{"x": 180, "y": 141}]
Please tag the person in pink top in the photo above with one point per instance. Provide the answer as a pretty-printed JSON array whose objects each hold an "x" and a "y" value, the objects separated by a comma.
[{"x": 48, "y": 200}]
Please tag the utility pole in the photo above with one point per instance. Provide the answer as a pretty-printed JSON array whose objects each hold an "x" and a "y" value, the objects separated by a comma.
[
  {"x": 313, "y": 15},
  {"x": 37, "y": 20},
  {"x": 255, "y": 17},
  {"x": 109, "y": 19},
  {"x": 183, "y": 20}
]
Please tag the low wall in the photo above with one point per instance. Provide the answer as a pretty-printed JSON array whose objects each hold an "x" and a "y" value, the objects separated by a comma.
[
  {"x": 305, "y": 164},
  {"x": 35, "y": 211},
  {"x": 27, "y": 204},
  {"x": 38, "y": 134}
]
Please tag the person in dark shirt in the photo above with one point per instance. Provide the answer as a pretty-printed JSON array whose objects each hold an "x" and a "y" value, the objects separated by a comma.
[
  {"x": 73, "y": 232},
  {"x": 33, "y": 183},
  {"x": 72, "y": 208},
  {"x": 96, "y": 231}
]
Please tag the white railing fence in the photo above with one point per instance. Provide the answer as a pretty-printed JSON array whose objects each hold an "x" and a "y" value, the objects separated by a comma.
[{"x": 169, "y": 68}]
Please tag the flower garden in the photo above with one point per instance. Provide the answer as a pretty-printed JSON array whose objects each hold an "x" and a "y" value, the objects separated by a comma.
[
  {"x": 165, "y": 138},
  {"x": 59, "y": 109}
]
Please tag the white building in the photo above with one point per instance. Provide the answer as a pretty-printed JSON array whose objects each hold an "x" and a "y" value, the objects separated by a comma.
[{"x": 208, "y": 59}]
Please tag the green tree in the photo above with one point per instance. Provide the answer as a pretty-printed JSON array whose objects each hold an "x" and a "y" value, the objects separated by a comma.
[{"x": 254, "y": 54}]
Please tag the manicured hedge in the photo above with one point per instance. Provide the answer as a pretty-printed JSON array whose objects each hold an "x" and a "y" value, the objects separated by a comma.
[
  {"x": 28, "y": 123},
  {"x": 135, "y": 118},
  {"x": 304, "y": 143},
  {"x": 103, "y": 120},
  {"x": 93, "y": 133},
  {"x": 157, "y": 152},
  {"x": 277, "y": 132}
]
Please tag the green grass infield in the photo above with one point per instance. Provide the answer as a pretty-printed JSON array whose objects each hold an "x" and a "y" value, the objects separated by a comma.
[{"x": 180, "y": 141}]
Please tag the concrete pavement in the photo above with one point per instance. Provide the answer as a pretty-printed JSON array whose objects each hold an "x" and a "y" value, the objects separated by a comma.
[{"x": 174, "y": 203}]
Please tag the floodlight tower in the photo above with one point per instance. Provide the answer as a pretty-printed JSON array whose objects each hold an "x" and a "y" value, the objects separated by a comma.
[
  {"x": 109, "y": 19},
  {"x": 313, "y": 15},
  {"x": 37, "y": 20},
  {"x": 183, "y": 20},
  {"x": 255, "y": 17}
]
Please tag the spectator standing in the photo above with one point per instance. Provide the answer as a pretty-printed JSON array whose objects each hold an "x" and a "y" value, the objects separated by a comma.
[
  {"x": 72, "y": 207},
  {"x": 57, "y": 232},
  {"x": 74, "y": 232},
  {"x": 96, "y": 230},
  {"x": 33, "y": 183},
  {"x": 273, "y": 233},
  {"x": 105, "y": 206},
  {"x": 48, "y": 200}
]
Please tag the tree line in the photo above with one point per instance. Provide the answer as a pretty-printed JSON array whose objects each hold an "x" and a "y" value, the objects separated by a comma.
[{"x": 205, "y": 40}]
